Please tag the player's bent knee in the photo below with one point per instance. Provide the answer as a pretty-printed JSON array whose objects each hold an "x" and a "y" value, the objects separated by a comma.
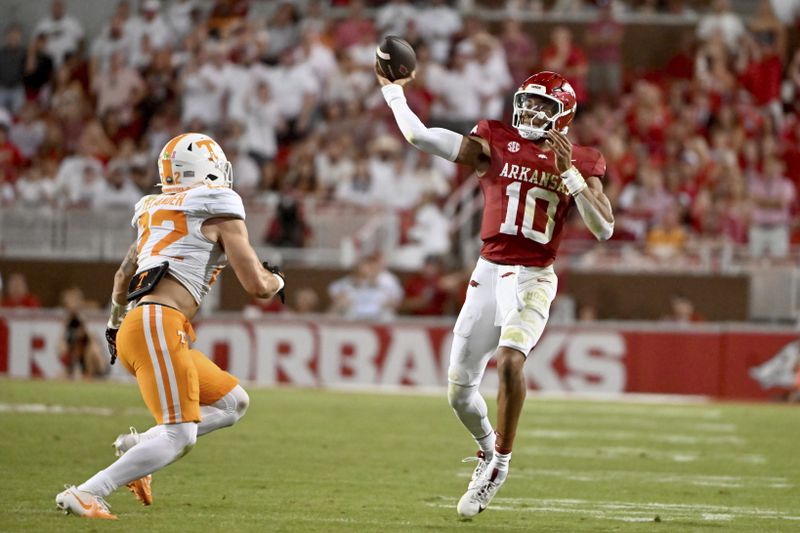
[
  {"x": 459, "y": 396},
  {"x": 182, "y": 437},
  {"x": 242, "y": 401}
]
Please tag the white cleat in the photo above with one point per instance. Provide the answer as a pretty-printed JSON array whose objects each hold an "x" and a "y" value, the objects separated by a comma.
[
  {"x": 82, "y": 503},
  {"x": 480, "y": 457},
  {"x": 481, "y": 492},
  {"x": 125, "y": 442}
]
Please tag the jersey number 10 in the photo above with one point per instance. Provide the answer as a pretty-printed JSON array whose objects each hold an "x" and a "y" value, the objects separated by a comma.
[{"x": 509, "y": 225}]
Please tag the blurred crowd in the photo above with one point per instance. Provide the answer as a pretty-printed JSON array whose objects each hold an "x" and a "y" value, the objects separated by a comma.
[{"x": 706, "y": 148}]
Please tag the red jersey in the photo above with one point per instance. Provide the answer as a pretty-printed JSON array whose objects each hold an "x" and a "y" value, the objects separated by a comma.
[{"x": 525, "y": 200}]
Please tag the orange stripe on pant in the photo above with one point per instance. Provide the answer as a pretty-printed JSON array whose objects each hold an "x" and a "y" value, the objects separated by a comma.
[
  {"x": 198, "y": 380},
  {"x": 162, "y": 366}
]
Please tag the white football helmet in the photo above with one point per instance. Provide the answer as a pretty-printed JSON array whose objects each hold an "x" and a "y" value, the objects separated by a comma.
[{"x": 193, "y": 159}]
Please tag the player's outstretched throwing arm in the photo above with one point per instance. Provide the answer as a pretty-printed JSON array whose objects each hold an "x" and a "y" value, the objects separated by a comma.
[
  {"x": 450, "y": 145},
  {"x": 593, "y": 205}
]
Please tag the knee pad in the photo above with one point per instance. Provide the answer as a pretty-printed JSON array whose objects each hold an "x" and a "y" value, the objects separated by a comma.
[
  {"x": 235, "y": 403},
  {"x": 241, "y": 401},
  {"x": 467, "y": 364},
  {"x": 182, "y": 437},
  {"x": 459, "y": 396}
]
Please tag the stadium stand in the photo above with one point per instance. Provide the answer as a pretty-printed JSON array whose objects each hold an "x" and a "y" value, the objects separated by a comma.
[{"x": 702, "y": 140}]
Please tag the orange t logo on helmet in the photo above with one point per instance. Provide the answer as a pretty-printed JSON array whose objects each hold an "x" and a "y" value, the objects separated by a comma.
[
  {"x": 208, "y": 144},
  {"x": 193, "y": 159}
]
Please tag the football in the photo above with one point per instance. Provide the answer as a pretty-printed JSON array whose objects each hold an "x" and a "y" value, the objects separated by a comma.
[{"x": 396, "y": 58}]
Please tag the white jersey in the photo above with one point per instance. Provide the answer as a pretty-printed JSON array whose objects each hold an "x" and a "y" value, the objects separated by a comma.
[{"x": 170, "y": 229}]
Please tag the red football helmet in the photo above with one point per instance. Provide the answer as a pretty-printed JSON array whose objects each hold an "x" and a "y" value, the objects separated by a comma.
[{"x": 546, "y": 97}]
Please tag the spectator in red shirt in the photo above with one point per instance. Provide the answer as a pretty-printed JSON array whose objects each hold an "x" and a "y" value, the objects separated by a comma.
[
  {"x": 759, "y": 68},
  {"x": 424, "y": 293},
  {"x": 681, "y": 64},
  {"x": 791, "y": 154},
  {"x": 520, "y": 48},
  {"x": 648, "y": 118},
  {"x": 682, "y": 310},
  {"x": 10, "y": 157},
  {"x": 604, "y": 42},
  {"x": 17, "y": 294},
  {"x": 351, "y": 28},
  {"x": 566, "y": 58}
]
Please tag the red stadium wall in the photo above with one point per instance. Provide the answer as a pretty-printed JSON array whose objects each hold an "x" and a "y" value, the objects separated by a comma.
[{"x": 714, "y": 361}]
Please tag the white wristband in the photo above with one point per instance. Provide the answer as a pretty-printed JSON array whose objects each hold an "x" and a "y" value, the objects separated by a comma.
[
  {"x": 392, "y": 92},
  {"x": 281, "y": 283},
  {"x": 574, "y": 181}
]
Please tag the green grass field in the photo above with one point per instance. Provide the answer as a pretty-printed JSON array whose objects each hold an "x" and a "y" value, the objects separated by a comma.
[{"x": 308, "y": 460}]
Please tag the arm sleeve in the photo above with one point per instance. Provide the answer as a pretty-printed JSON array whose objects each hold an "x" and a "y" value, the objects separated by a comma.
[
  {"x": 436, "y": 141},
  {"x": 600, "y": 227}
]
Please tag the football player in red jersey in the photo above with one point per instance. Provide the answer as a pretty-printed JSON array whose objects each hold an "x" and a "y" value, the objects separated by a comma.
[{"x": 530, "y": 175}]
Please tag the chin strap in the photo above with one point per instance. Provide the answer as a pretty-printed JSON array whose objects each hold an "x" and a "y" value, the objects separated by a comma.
[{"x": 530, "y": 135}]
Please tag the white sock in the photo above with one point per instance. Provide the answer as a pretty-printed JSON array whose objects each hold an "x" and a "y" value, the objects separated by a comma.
[
  {"x": 164, "y": 445},
  {"x": 500, "y": 461},
  {"x": 486, "y": 444}
]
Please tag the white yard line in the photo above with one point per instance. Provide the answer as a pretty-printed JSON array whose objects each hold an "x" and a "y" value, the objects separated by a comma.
[
  {"x": 653, "y": 506},
  {"x": 546, "y": 420},
  {"x": 595, "y": 476},
  {"x": 691, "y": 412},
  {"x": 627, "y": 452},
  {"x": 623, "y": 397},
  {"x": 631, "y": 511},
  {"x": 620, "y": 435},
  {"x": 380, "y": 525},
  {"x": 57, "y": 409}
]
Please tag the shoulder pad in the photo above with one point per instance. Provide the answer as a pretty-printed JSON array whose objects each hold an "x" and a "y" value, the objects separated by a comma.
[
  {"x": 483, "y": 130},
  {"x": 222, "y": 201},
  {"x": 590, "y": 162}
]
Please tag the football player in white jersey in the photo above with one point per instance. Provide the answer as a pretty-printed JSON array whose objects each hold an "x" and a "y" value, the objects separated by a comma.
[{"x": 186, "y": 236}]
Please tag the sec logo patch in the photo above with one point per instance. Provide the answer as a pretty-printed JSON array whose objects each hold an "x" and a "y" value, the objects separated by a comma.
[{"x": 513, "y": 147}]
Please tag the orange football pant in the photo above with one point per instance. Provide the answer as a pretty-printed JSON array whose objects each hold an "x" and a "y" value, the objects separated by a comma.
[{"x": 153, "y": 344}]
